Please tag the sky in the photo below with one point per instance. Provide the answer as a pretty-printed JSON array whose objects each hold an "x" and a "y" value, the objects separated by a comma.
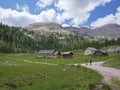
[{"x": 77, "y": 13}]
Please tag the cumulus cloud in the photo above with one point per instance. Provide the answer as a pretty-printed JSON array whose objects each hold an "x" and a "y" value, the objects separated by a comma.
[
  {"x": 49, "y": 15},
  {"x": 44, "y": 3},
  {"x": 107, "y": 19},
  {"x": 16, "y": 18},
  {"x": 78, "y": 10},
  {"x": 75, "y": 12},
  {"x": 65, "y": 25},
  {"x": 24, "y": 8}
]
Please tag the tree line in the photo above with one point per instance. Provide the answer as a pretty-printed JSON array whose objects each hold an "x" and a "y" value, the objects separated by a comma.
[{"x": 16, "y": 40}]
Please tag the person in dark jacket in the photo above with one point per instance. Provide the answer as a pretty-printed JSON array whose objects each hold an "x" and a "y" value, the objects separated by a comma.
[{"x": 90, "y": 60}]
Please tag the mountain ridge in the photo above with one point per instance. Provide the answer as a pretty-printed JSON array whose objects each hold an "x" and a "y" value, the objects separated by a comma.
[{"x": 106, "y": 31}]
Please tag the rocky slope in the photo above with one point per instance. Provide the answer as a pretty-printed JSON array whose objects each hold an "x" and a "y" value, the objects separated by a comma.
[{"x": 107, "y": 31}]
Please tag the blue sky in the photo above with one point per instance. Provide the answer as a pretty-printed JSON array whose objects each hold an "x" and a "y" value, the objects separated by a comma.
[{"x": 91, "y": 13}]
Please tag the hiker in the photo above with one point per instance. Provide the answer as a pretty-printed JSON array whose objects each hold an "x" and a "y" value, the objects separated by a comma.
[
  {"x": 90, "y": 60},
  {"x": 86, "y": 62}
]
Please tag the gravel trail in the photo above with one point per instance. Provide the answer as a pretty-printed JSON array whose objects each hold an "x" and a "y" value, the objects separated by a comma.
[{"x": 106, "y": 72}]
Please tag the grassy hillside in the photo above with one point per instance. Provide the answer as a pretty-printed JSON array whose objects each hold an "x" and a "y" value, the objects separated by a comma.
[
  {"x": 17, "y": 74},
  {"x": 114, "y": 61}
]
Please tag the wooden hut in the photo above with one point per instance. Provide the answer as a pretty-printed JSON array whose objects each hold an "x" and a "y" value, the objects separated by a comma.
[
  {"x": 49, "y": 54},
  {"x": 117, "y": 50},
  {"x": 67, "y": 55}
]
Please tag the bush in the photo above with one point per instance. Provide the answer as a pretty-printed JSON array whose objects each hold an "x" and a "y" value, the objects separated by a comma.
[
  {"x": 116, "y": 83},
  {"x": 91, "y": 86},
  {"x": 5, "y": 48},
  {"x": 106, "y": 87}
]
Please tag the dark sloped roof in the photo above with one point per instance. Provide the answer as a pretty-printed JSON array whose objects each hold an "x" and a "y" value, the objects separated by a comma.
[
  {"x": 67, "y": 53},
  {"x": 56, "y": 52},
  {"x": 46, "y": 51},
  {"x": 100, "y": 53}
]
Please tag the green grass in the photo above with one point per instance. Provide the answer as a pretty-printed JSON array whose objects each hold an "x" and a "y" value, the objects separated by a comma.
[
  {"x": 114, "y": 61},
  {"x": 19, "y": 75},
  {"x": 116, "y": 83},
  {"x": 106, "y": 87},
  {"x": 77, "y": 58}
]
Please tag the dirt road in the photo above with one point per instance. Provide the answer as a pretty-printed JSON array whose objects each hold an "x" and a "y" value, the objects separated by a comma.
[{"x": 106, "y": 72}]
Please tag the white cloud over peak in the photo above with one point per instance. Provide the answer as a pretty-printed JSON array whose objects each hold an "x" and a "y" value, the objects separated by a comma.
[
  {"x": 44, "y": 3},
  {"x": 49, "y": 15},
  {"x": 78, "y": 10},
  {"x": 107, "y": 19},
  {"x": 65, "y": 25}
]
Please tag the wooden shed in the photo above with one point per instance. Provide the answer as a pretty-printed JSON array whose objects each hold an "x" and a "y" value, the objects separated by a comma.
[
  {"x": 49, "y": 54},
  {"x": 67, "y": 55},
  {"x": 100, "y": 53},
  {"x": 117, "y": 50}
]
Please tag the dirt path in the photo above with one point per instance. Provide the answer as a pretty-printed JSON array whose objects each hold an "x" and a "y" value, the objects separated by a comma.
[
  {"x": 45, "y": 63},
  {"x": 106, "y": 72}
]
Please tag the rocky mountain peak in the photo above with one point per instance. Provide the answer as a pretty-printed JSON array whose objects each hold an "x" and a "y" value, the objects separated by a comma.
[{"x": 43, "y": 24}]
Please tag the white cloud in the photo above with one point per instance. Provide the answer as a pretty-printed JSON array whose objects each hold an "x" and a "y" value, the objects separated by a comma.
[
  {"x": 78, "y": 10},
  {"x": 44, "y": 3},
  {"x": 108, "y": 19},
  {"x": 75, "y": 11},
  {"x": 15, "y": 18},
  {"x": 65, "y": 25},
  {"x": 47, "y": 16},
  {"x": 24, "y": 8}
]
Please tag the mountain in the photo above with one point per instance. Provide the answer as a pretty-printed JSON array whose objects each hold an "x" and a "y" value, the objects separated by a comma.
[
  {"x": 108, "y": 31},
  {"x": 38, "y": 36},
  {"x": 53, "y": 33},
  {"x": 83, "y": 31},
  {"x": 46, "y": 27}
]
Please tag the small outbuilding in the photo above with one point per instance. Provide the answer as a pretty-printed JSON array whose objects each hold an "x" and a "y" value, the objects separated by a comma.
[
  {"x": 89, "y": 51},
  {"x": 117, "y": 50},
  {"x": 110, "y": 50},
  {"x": 67, "y": 55},
  {"x": 100, "y": 53},
  {"x": 49, "y": 54}
]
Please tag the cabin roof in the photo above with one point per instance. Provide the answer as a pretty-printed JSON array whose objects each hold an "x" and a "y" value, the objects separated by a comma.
[
  {"x": 46, "y": 51},
  {"x": 91, "y": 48},
  {"x": 67, "y": 53},
  {"x": 100, "y": 52},
  {"x": 56, "y": 52}
]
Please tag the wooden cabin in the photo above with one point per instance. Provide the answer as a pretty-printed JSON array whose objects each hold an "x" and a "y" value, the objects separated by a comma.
[
  {"x": 49, "y": 54},
  {"x": 67, "y": 55}
]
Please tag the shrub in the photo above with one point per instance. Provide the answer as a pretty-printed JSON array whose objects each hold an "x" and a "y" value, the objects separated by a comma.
[
  {"x": 106, "y": 87},
  {"x": 91, "y": 86},
  {"x": 116, "y": 83},
  {"x": 5, "y": 48}
]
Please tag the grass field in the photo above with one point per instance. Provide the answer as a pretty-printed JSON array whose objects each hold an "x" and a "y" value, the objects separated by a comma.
[
  {"x": 17, "y": 74},
  {"x": 114, "y": 61}
]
